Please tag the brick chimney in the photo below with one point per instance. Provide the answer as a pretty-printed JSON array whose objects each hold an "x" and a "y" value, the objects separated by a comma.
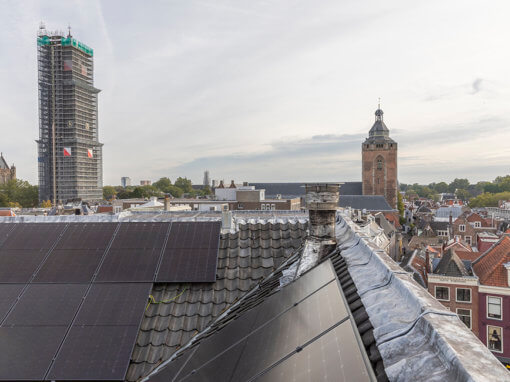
[
  {"x": 221, "y": 184},
  {"x": 232, "y": 184},
  {"x": 167, "y": 203},
  {"x": 322, "y": 203}
]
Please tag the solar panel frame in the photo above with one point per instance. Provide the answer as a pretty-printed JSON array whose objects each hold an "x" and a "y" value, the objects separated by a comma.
[
  {"x": 95, "y": 353},
  {"x": 188, "y": 265},
  {"x": 46, "y": 305},
  {"x": 69, "y": 266},
  {"x": 31, "y": 349},
  {"x": 5, "y": 230},
  {"x": 114, "y": 304},
  {"x": 194, "y": 235}
]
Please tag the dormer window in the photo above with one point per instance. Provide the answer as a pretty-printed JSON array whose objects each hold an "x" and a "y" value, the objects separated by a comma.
[{"x": 478, "y": 224}]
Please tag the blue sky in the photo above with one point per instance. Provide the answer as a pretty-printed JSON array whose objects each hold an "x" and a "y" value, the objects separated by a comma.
[{"x": 274, "y": 90}]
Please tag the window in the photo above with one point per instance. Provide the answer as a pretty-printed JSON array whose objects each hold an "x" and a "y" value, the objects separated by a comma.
[
  {"x": 465, "y": 316},
  {"x": 463, "y": 295},
  {"x": 467, "y": 239},
  {"x": 273, "y": 207},
  {"x": 495, "y": 338},
  {"x": 442, "y": 233},
  {"x": 478, "y": 224},
  {"x": 379, "y": 164},
  {"x": 494, "y": 307},
  {"x": 443, "y": 293},
  {"x": 262, "y": 206},
  {"x": 462, "y": 228}
]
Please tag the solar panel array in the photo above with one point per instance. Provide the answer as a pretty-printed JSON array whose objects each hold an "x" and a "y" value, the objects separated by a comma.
[
  {"x": 305, "y": 332},
  {"x": 72, "y": 296}
]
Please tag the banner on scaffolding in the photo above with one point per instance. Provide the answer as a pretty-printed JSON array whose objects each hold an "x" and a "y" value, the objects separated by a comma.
[
  {"x": 68, "y": 65},
  {"x": 90, "y": 153},
  {"x": 67, "y": 151}
]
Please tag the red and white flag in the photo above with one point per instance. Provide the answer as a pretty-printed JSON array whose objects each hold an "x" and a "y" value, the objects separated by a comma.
[
  {"x": 67, "y": 151},
  {"x": 90, "y": 153}
]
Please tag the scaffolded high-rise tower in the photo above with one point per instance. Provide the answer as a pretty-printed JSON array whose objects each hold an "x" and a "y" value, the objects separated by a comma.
[{"x": 69, "y": 152}]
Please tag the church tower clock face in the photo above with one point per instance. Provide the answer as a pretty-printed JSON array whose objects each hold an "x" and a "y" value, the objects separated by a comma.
[{"x": 379, "y": 161}]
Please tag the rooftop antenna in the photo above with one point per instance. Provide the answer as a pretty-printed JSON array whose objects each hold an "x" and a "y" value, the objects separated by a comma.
[
  {"x": 379, "y": 103},
  {"x": 69, "y": 29}
]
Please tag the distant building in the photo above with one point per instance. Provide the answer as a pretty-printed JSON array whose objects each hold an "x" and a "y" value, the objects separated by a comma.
[
  {"x": 145, "y": 182},
  {"x": 125, "y": 181},
  {"x": 379, "y": 162},
  {"x": 207, "y": 180},
  {"x": 69, "y": 151},
  {"x": 6, "y": 173}
]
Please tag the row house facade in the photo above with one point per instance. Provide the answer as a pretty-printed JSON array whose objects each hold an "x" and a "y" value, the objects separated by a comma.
[{"x": 478, "y": 292}]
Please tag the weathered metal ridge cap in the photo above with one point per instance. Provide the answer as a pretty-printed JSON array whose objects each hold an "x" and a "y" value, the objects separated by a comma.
[{"x": 418, "y": 338}]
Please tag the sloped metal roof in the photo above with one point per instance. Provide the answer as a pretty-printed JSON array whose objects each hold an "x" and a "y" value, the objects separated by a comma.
[{"x": 364, "y": 202}]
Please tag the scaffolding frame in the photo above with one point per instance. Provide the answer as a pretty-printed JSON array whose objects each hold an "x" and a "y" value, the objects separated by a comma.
[{"x": 67, "y": 120}]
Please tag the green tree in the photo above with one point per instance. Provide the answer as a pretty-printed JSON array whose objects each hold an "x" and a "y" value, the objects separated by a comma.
[
  {"x": 184, "y": 184},
  {"x": 489, "y": 200},
  {"x": 176, "y": 192},
  {"x": 163, "y": 184},
  {"x": 207, "y": 191},
  {"x": 441, "y": 187},
  {"x": 400, "y": 204},
  {"x": 463, "y": 194},
  {"x": 20, "y": 192},
  {"x": 4, "y": 200},
  {"x": 109, "y": 192},
  {"x": 458, "y": 184}
]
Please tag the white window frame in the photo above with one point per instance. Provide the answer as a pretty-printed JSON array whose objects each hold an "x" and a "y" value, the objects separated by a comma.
[
  {"x": 500, "y": 308},
  {"x": 462, "y": 228},
  {"x": 263, "y": 207},
  {"x": 470, "y": 242},
  {"x": 478, "y": 224},
  {"x": 502, "y": 346},
  {"x": 435, "y": 292},
  {"x": 470, "y": 296},
  {"x": 273, "y": 207},
  {"x": 470, "y": 317}
]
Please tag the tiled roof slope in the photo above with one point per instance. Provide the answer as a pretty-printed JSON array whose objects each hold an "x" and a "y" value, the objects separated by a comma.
[
  {"x": 417, "y": 337},
  {"x": 450, "y": 264},
  {"x": 244, "y": 259},
  {"x": 489, "y": 267}
]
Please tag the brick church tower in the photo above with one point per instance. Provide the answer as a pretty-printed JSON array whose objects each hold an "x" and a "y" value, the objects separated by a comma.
[{"x": 379, "y": 162}]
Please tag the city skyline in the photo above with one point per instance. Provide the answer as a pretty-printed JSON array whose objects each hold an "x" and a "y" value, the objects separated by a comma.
[{"x": 261, "y": 92}]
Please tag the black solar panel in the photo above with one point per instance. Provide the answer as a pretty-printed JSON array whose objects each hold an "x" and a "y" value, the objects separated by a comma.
[
  {"x": 18, "y": 266},
  {"x": 124, "y": 265},
  {"x": 114, "y": 304},
  {"x": 141, "y": 235},
  {"x": 26, "y": 352},
  {"x": 268, "y": 334},
  {"x": 294, "y": 328},
  {"x": 87, "y": 236},
  {"x": 8, "y": 295},
  {"x": 47, "y": 305},
  {"x": 95, "y": 353},
  {"x": 70, "y": 266},
  {"x": 188, "y": 265},
  {"x": 192, "y": 235},
  {"x": 335, "y": 356},
  {"x": 5, "y": 229},
  {"x": 35, "y": 236}
]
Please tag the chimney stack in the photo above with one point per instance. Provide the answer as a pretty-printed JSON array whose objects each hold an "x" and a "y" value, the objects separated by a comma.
[
  {"x": 322, "y": 203},
  {"x": 167, "y": 203}
]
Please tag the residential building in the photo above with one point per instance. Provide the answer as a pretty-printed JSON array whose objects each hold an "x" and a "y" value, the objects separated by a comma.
[
  {"x": 379, "y": 162},
  {"x": 453, "y": 283},
  {"x": 145, "y": 183},
  {"x": 493, "y": 270},
  {"x": 125, "y": 181},
  {"x": 69, "y": 151},
  {"x": 6, "y": 173}
]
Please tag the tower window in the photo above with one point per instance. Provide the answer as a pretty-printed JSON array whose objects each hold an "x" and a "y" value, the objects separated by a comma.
[{"x": 379, "y": 164}]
